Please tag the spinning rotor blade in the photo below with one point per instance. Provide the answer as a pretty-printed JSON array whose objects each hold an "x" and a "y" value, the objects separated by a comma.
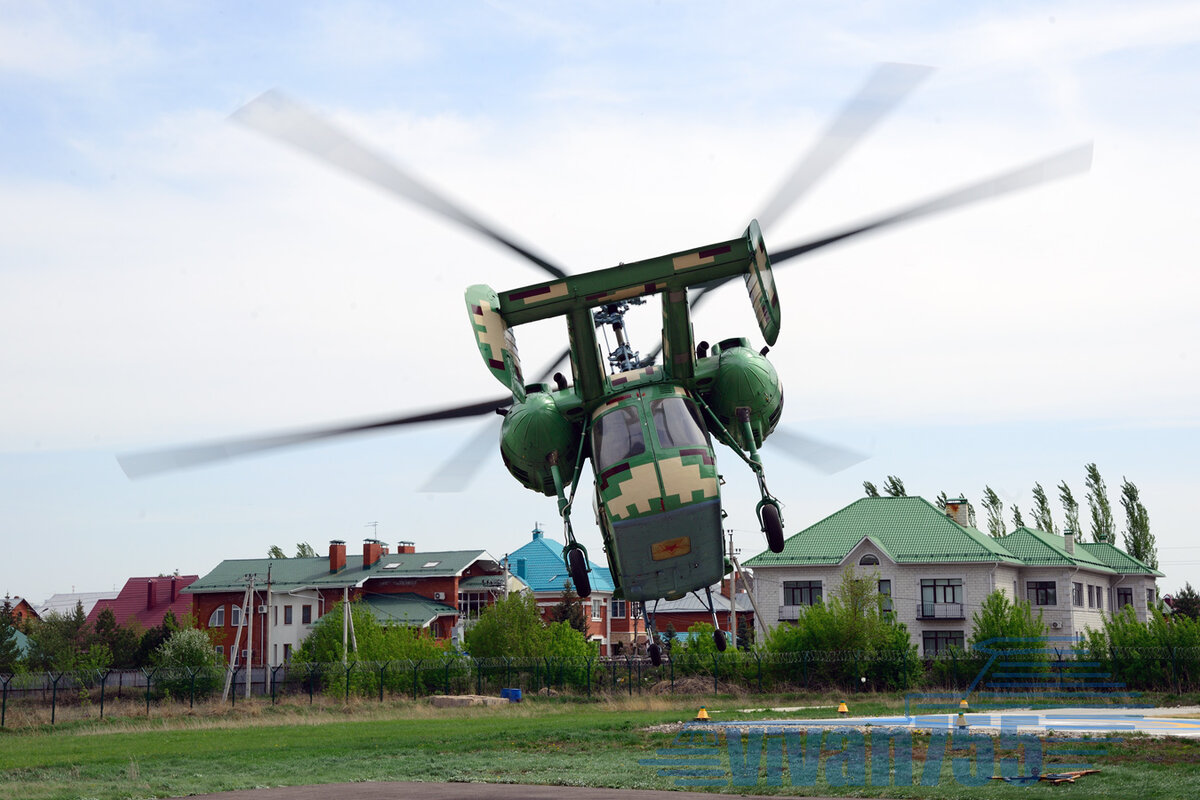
[
  {"x": 821, "y": 456},
  {"x": 137, "y": 465},
  {"x": 1070, "y": 162},
  {"x": 274, "y": 115},
  {"x": 888, "y": 85}
]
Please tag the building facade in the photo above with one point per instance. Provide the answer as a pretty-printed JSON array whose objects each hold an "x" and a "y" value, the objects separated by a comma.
[{"x": 934, "y": 570}]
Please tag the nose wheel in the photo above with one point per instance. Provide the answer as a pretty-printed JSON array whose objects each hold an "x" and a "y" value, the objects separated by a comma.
[{"x": 772, "y": 523}]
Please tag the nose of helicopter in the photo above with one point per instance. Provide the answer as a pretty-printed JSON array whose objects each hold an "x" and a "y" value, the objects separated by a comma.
[{"x": 670, "y": 553}]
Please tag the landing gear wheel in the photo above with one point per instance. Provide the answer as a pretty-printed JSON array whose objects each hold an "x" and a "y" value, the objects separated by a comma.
[
  {"x": 655, "y": 654},
  {"x": 773, "y": 527},
  {"x": 579, "y": 572},
  {"x": 719, "y": 639}
]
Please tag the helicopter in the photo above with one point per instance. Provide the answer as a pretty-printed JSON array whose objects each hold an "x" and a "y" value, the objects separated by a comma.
[{"x": 646, "y": 427}]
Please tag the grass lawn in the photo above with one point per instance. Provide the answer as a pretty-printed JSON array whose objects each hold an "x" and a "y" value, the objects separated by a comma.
[{"x": 547, "y": 741}]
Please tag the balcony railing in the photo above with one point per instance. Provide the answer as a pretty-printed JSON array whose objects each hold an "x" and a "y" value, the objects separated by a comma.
[
  {"x": 789, "y": 613},
  {"x": 940, "y": 611}
]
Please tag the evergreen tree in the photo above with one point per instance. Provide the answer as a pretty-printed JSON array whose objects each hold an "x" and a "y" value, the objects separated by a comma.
[
  {"x": 276, "y": 552},
  {"x": 870, "y": 489},
  {"x": 942, "y": 501},
  {"x": 1018, "y": 521},
  {"x": 9, "y": 653},
  {"x": 1070, "y": 511},
  {"x": 570, "y": 609},
  {"x": 1186, "y": 602},
  {"x": 121, "y": 640},
  {"x": 894, "y": 487},
  {"x": 1139, "y": 541},
  {"x": 995, "y": 511},
  {"x": 1043, "y": 520},
  {"x": 305, "y": 550}
]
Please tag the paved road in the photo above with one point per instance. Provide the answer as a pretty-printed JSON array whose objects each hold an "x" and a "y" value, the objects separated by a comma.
[{"x": 452, "y": 791}]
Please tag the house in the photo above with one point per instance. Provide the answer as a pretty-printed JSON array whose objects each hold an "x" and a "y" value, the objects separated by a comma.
[
  {"x": 66, "y": 602},
  {"x": 147, "y": 600},
  {"x": 614, "y": 624},
  {"x": 287, "y": 596},
  {"x": 20, "y": 609},
  {"x": 934, "y": 570}
]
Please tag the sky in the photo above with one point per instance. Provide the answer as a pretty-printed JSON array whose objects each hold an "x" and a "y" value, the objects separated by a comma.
[{"x": 168, "y": 276}]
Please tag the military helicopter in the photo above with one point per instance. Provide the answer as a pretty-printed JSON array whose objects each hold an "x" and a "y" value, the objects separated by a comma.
[{"x": 647, "y": 428}]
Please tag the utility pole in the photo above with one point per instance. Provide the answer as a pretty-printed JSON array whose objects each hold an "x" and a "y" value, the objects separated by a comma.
[
  {"x": 732, "y": 591},
  {"x": 248, "y": 619}
]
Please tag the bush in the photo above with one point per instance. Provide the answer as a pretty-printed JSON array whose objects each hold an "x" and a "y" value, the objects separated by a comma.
[{"x": 188, "y": 666}]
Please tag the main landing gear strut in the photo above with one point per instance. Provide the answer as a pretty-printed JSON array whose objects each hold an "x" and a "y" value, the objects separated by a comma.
[{"x": 655, "y": 650}]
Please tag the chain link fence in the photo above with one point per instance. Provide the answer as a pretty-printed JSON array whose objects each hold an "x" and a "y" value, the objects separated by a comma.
[{"x": 94, "y": 693}]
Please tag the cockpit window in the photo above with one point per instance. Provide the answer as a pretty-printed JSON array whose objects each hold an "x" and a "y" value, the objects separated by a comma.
[
  {"x": 677, "y": 423},
  {"x": 617, "y": 436}
]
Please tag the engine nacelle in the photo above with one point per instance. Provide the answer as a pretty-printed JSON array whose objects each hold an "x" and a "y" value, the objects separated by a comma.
[
  {"x": 744, "y": 378},
  {"x": 533, "y": 430}
]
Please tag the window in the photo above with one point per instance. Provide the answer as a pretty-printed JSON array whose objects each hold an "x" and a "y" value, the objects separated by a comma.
[
  {"x": 1077, "y": 593},
  {"x": 617, "y": 436},
  {"x": 306, "y": 615},
  {"x": 287, "y": 653},
  {"x": 677, "y": 423},
  {"x": 801, "y": 593},
  {"x": 217, "y": 618},
  {"x": 220, "y": 650},
  {"x": 941, "y": 641},
  {"x": 1042, "y": 593},
  {"x": 617, "y": 610},
  {"x": 287, "y": 615},
  {"x": 1091, "y": 596},
  {"x": 597, "y": 615},
  {"x": 885, "y": 596},
  {"x": 235, "y": 615},
  {"x": 941, "y": 597},
  {"x": 869, "y": 560},
  {"x": 1150, "y": 593},
  {"x": 1124, "y": 597},
  {"x": 472, "y": 604}
]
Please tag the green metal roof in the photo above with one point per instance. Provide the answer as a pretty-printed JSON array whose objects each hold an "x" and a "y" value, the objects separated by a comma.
[
  {"x": 906, "y": 530},
  {"x": 1118, "y": 560},
  {"x": 296, "y": 573},
  {"x": 406, "y": 608},
  {"x": 1038, "y": 548}
]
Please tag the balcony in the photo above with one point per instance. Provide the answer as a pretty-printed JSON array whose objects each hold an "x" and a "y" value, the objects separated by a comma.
[
  {"x": 940, "y": 611},
  {"x": 789, "y": 613}
]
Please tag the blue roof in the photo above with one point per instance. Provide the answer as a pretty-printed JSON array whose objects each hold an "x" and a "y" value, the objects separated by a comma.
[{"x": 540, "y": 564}]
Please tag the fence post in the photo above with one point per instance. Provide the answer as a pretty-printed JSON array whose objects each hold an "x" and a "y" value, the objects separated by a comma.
[
  {"x": 716, "y": 670},
  {"x": 54, "y": 679},
  {"x": 478, "y": 676},
  {"x": 589, "y": 678},
  {"x": 233, "y": 687},
  {"x": 149, "y": 680},
  {"x": 103, "y": 673},
  {"x": 416, "y": 673},
  {"x": 274, "y": 671},
  {"x": 6, "y": 679},
  {"x": 349, "y": 669},
  {"x": 382, "y": 669}
]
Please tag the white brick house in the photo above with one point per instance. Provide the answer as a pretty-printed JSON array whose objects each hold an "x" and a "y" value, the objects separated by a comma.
[{"x": 937, "y": 570}]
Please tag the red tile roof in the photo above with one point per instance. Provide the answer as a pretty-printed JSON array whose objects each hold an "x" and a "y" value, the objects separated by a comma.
[{"x": 148, "y": 599}]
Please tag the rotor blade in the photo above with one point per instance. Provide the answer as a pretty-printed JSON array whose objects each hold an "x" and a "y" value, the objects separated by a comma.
[
  {"x": 1070, "y": 162},
  {"x": 885, "y": 88},
  {"x": 275, "y": 115},
  {"x": 137, "y": 465},
  {"x": 461, "y": 468},
  {"x": 821, "y": 456}
]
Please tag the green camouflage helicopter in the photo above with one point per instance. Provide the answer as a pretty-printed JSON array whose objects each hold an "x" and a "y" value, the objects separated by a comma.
[{"x": 647, "y": 428}]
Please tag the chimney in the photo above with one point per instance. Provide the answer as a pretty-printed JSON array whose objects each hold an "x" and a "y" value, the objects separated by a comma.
[
  {"x": 957, "y": 509},
  {"x": 337, "y": 555},
  {"x": 174, "y": 586},
  {"x": 150, "y": 594},
  {"x": 372, "y": 552},
  {"x": 403, "y": 548},
  {"x": 521, "y": 568},
  {"x": 1069, "y": 540},
  {"x": 537, "y": 533}
]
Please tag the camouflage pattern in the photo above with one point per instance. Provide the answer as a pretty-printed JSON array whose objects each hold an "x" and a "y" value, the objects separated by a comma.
[
  {"x": 495, "y": 339},
  {"x": 760, "y": 283}
]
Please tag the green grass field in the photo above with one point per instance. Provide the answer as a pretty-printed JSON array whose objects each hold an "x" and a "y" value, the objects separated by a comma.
[{"x": 546, "y": 741}]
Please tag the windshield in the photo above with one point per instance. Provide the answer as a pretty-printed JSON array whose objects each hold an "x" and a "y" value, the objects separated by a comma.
[
  {"x": 677, "y": 423},
  {"x": 617, "y": 436}
]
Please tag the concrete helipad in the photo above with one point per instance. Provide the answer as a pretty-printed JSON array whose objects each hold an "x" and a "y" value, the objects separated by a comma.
[{"x": 1150, "y": 721}]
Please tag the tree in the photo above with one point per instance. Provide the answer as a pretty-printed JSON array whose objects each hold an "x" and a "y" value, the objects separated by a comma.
[
  {"x": 894, "y": 487},
  {"x": 375, "y": 642},
  {"x": 942, "y": 501},
  {"x": 276, "y": 552},
  {"x": 1043, "y": 520},
  {"x": 1139, "y": 541},
  {"x": 121, "y": 640},
  {"x": 871, "y": 489},
  {"x": 59, "y": 641},
  {"x": 570, "y": 609},
  {"x": 1186, "y": 602},
  {"x": 1018, "y": 521},
  {"x": 1070, "y": 511},
  {"x": 305, "y": 550},
  {"x": 10, "y": 654},
  {"x": 512, "y": 627},
  {"x": 995, "y": 510},
  {"x": 1008, "y": 626},
  {"x": 1103, "y": 529}
]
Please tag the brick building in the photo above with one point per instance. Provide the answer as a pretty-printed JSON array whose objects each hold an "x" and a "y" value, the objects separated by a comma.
[{"x": 148, "y": 600}]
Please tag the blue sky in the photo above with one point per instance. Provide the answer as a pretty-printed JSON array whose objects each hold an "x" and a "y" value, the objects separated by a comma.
[{"x": 169, "y": 276}]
